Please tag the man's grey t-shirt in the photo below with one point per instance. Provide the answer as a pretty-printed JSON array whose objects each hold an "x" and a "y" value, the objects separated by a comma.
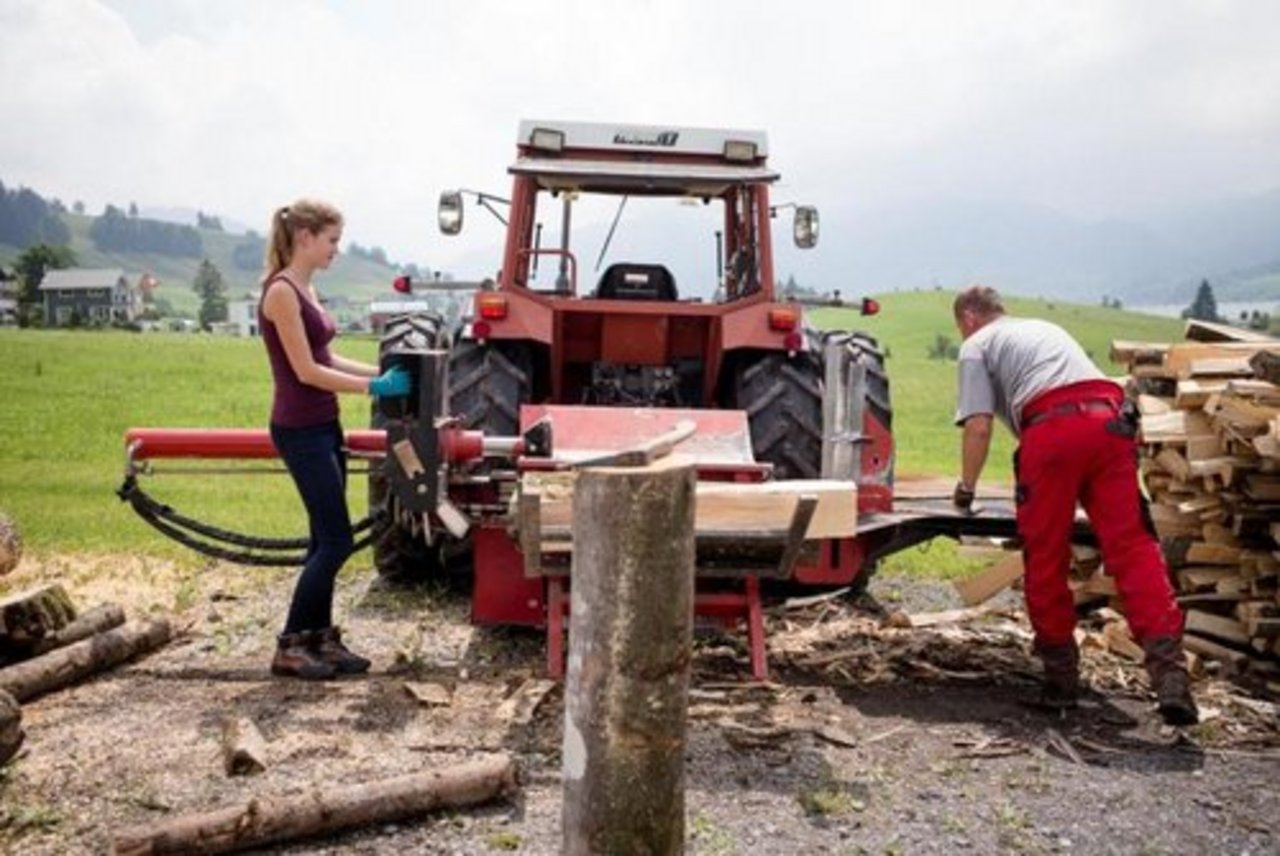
[{"x": 1010, "y": 361}]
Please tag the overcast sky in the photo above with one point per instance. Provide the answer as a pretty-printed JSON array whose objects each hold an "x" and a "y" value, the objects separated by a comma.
[{"x": 1095, "y": 109}]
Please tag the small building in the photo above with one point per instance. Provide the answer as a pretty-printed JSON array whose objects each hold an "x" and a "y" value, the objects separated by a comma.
[
  {"x": 92, "y": 295},
  {"x": 242, "y": 318},
  {"x": 8, "y": 297}
]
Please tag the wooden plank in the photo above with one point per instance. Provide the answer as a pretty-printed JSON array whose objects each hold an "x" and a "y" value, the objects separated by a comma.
[
  {"x": 1175, "y": 426},
  {"x": 1210, "y": 331},
  {"x": 1265, "y": 488},
  {"x": 1214, "y": 651},
  {"x": 986, "y": 584},
  {"x": 1197, "y": 578},
  {"x": 726, "y": 507},
  {"x": 1127, "y": 352},
  {"x": 1217, "y": 367},
  {"x": 1217, "y": 626},
  {"x": 1200, "y": 553},
  {"x": 1180, "y": 356},
  {"x": 1203, "y": 446},
  {"x": 1194, "y": 393}
]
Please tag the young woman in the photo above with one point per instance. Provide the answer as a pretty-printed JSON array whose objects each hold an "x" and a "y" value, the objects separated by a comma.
[{"x": 305, "y": 429}]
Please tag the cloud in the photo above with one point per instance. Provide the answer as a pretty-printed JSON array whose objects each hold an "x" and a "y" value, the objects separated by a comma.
[{"x": 1092, "y": 108}]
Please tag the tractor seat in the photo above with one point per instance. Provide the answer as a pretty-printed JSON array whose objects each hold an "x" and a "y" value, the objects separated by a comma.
[{"x": 627, "y": 281}]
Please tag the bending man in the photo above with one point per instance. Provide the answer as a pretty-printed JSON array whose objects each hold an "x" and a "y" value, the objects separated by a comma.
[{"x": 1075, "y": 445}]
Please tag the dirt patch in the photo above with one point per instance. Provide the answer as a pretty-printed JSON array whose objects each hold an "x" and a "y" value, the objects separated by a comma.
[{"x": 867, "y": 738}]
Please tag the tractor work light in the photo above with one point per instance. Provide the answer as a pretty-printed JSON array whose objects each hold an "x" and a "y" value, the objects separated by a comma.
[
  {"x": 783, "y": 320},
  {"x": 493, "y": 307},
  {"x": 739, "y": 150},
  {"x": 547, "y": 140}
]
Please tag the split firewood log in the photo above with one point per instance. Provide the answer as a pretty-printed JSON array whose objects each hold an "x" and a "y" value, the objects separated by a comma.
[
  {"x": 65, "y": 666},
  {"x": 273, "y": 819},
  {"x": 243, "y": 748}
]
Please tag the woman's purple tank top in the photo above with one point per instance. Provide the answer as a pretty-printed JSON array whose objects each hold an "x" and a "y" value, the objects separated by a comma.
[{"x": 296, "y": 404}]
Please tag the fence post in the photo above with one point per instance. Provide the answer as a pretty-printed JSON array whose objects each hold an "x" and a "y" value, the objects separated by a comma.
[{"x": 630, "y": 643}]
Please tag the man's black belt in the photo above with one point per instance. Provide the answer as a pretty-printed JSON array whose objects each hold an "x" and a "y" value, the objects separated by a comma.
[{"x": 1067, "y": 408}]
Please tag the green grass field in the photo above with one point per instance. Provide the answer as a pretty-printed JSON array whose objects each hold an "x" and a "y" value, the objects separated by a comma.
[{"x": 67, "y": 397}]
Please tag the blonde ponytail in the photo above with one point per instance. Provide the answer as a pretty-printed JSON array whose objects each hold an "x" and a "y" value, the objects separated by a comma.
[{"x": 310, "y": 214}]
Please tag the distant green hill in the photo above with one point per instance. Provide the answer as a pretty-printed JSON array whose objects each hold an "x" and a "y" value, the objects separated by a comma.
[{"x": 356, "y": 279}]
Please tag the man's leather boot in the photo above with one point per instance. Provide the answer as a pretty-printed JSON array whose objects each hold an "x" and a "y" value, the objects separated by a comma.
[
  {"x": 329, "y": 646},
  {"x": 297, "y": 658},
  {"x": 1167, "y": 668},
  {"x": 1061, "y": 675}
]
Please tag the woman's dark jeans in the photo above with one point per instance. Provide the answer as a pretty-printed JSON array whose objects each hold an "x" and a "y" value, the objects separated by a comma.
[{"x": 318, "y": 465}]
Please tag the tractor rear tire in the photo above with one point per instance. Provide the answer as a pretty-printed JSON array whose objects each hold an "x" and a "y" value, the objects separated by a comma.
[
  {"x": 783, "y": 401},
  {"x": 399, "y": 555},
  {"x": 487, "y": 385}
]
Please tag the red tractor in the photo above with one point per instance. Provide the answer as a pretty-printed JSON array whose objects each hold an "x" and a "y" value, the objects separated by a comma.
[{"x": 555, "y": 366}]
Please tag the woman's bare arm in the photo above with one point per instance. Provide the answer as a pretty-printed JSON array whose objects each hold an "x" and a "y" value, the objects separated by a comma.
[{"x": 281, "y": 307}]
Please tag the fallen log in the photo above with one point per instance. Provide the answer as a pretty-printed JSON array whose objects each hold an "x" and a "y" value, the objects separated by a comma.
[
  {"x": 29, "y": 616},
  {"x": 65, "y": 666},
  {"x": 11, "y": 734},
  {"x": 97, "y": 620},
  {"x": 273, "y": 819},
  {"x": 244, "y": 750}
]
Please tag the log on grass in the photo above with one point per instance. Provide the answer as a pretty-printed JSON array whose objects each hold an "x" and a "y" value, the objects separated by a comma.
[
  {"x": 273, "y": 819},
  {"x": 630, "y": 646},
  {"x": 73, "y": 663},
  {"x": 244, "y": 751},
  {"x": 29, "y": 616},
  {"x": 11, "y": 733},
  {"x": 97, "y": 620}
]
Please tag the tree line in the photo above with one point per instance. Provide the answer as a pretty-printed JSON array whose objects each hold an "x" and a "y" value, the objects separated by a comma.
[
  {"x": 27, "y": 218},
  {"x": 116, "y": 231}
]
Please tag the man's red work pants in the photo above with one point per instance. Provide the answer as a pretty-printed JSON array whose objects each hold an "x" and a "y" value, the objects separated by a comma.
[{"x": 1068, "y": 454}]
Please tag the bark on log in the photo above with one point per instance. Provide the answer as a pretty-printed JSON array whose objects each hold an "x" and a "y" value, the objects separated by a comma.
[
  {"x": 97, "y": 620},
  {"x": 68, "y": 665},
  {"x": 266, "y": 820},
  {"x": 630, "y": 640},
  {"x": 29, "y": 616},
  {"x": 11, "y": 734},
  {"x": 243, "y": 749}
]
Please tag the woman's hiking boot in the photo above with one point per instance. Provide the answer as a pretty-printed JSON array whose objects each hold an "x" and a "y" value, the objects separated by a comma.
[
  {"x": 297, "y": 657},
  {"x": 1167, "y": 667},
  {"x": 331, "y": 650}
]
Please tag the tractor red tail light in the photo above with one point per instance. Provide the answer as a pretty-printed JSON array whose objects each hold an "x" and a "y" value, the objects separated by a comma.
[
  {"x": 793, "y": 341},
  {"x": 783, "y": 320},
  {"x": 481, "y": 329},
  {"x": 493, "y": 307},
  {"x": 870, "y": 306},
  {"x": 403, "y": 284}
]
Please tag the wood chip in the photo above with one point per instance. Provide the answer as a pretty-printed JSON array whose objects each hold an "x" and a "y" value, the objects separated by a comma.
[{"x": 431, "y": 695}]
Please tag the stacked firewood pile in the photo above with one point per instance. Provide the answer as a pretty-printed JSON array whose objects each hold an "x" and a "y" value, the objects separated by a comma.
[{"x": 1211, "y": 464}]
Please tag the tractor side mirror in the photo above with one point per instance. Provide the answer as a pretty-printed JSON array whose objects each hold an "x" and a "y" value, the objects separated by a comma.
[
  {"x": 804, "y": 227},
  {"x": 450, "y": 212}
]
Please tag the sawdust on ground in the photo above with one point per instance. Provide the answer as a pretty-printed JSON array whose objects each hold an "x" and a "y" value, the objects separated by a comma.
[{"x": 867, "y": 738}]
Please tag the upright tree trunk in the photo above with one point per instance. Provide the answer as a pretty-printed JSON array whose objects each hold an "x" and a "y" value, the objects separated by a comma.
[{"x": 630, "y": 641}]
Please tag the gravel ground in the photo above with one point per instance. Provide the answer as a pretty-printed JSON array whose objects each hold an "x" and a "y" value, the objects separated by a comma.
[{"x": 867, "y": 739}]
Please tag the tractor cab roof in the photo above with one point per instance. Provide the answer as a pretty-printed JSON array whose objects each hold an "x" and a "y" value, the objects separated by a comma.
[{"x": 640, "y": 159}]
